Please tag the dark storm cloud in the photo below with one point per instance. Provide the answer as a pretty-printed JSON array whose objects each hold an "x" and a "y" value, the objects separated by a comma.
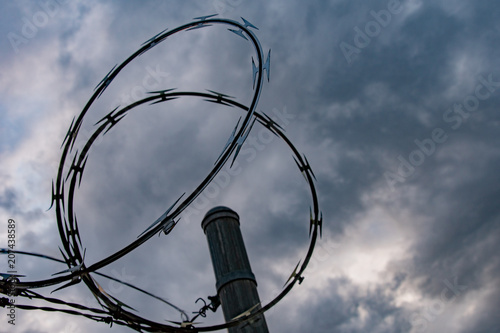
[
  {"x": 416, "y": 68},
  {"x": 353, "y": 117},
  {"x": 390, "y": 84},
  {"x": 459, "y": 240},
  {"x": 352, "y": 311},
  {"x": 12, "y": 202},
  {"x": 8, "y": 198}
]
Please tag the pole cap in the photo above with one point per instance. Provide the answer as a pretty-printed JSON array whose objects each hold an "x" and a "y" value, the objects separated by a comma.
[{"x": 219, "y": 212}]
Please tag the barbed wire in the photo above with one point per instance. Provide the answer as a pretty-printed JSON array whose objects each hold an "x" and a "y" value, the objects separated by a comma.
[{"x": 73, "y": 253}]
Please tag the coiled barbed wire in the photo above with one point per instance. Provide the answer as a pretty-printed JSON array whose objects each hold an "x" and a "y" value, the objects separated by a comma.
[{"x": 73, "y": 252}]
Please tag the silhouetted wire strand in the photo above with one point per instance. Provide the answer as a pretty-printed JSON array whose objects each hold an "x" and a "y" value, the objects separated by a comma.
[{"x": 33, "y": 254}]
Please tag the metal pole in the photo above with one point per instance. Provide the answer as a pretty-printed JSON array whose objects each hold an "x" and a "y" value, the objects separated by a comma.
[{"x": 235, "y": 282}]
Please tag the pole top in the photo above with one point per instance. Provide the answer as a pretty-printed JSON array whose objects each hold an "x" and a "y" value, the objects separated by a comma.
[{"x": 217, "y": 213}]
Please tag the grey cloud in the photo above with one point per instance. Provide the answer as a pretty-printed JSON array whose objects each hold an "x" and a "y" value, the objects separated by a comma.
[{"x": 352, "y": 122}]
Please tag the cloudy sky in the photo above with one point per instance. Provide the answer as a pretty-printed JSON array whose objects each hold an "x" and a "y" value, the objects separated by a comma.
[{"x": 394, "y": 103}]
